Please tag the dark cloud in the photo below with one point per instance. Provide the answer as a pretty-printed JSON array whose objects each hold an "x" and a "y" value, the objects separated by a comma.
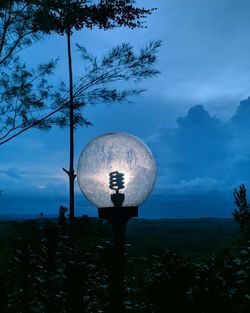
[
  {"x": 241, "y": 119},
  {"x": 240, "y": 142},
  {"x": 197, "y": 147},
  {"x": 13, "y": 172},
  {"x": 200, "y": 144},
  {"x": 204, "y": 149}
]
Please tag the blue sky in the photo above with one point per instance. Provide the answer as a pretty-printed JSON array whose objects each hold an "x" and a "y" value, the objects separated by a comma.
[{"x": 192, "y": 115}]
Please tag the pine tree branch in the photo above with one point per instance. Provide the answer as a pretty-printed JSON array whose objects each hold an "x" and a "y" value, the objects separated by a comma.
[{"x": 37, "y": 122}]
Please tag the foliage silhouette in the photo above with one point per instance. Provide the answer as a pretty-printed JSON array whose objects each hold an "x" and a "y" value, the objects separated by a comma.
[
  {"x": 62, "y": 221},
  {"x": 24, "y": 22},
  {"x": 47, "y": 268},
  {"x": 242, "y": 213}
]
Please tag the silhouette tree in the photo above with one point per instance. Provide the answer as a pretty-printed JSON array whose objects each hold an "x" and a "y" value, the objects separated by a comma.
[
  {"x": 27, "y": 98},
  {"x": 16, "y": 31},
  {"x": 25, "y": 93},
  {"x": 121, "y": 64},
  {"x": 22, "y": 22},
  {"x": 62, "y": 221},
  {"x": 242, "y": 213}
]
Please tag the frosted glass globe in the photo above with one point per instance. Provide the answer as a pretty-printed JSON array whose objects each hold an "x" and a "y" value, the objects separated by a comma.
[{"x": 112, "y": 153}]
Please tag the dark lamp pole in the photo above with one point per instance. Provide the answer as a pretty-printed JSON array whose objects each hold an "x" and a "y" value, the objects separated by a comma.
[
  {"x": 118, "y": 216},
  {"x": 116, "y": 172}
]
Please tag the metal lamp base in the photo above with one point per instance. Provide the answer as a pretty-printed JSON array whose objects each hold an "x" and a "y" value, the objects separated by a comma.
[{"x": 124, "y": 212}]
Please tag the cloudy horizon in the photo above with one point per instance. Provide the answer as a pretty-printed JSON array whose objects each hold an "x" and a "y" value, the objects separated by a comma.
[{"x": 199, "y": 162}]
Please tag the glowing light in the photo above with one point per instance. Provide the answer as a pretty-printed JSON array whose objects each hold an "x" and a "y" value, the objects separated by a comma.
[{"x": 116, "y": 152}]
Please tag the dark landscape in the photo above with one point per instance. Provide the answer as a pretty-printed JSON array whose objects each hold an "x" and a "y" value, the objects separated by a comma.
[
  {"x": 201, "y": 236},
  {"x": 136, "y": 112},
  {"x": 196, "y": 265}
]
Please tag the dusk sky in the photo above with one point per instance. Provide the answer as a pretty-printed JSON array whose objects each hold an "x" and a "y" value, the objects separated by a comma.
[{"x": 194, "y": 116}]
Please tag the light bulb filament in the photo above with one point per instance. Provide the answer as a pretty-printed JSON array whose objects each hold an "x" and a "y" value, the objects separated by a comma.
[{"x": 116, "y": 181}]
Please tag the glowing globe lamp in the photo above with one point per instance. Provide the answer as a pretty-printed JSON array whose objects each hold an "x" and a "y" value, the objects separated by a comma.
[
  {"x": 116, "y": 169},
  {"x": 116, "y": 172}
]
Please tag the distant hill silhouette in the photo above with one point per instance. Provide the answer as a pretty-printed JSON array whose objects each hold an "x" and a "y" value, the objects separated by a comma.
[{"x": 199, "y": 236}]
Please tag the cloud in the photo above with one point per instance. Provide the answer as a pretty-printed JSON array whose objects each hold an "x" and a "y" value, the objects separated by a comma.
[
  {"x": 14, "y": 173},
  {"x": 200, "y": 144},
  {"x": 196, "y": 185},
  {"x": 240, "y": 120},
  {"x": 202, "y": 152},
  {"x": 18, "y": 182}
]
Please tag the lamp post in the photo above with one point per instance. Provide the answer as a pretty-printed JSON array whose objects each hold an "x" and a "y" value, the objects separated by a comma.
[{"x": 116, "y": 172}]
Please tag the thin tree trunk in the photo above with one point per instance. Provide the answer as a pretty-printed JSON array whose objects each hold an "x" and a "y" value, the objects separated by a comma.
[{"x": 71, "y": 171}]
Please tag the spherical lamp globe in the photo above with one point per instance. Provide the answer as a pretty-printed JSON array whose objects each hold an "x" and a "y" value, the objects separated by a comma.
[{"x": 116, "y": 163}]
